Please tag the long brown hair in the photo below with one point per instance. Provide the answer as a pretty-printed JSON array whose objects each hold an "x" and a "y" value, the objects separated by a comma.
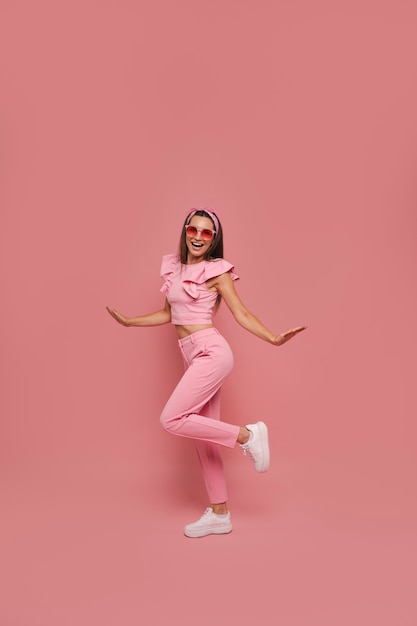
[{"x": 215, "y": 251}]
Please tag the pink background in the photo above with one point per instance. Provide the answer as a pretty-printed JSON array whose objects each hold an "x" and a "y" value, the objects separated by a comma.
[{"x": 297, "y": 121}]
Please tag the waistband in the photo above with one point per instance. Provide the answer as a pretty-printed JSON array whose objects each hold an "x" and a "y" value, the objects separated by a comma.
[{"x": 199, "y": 334}]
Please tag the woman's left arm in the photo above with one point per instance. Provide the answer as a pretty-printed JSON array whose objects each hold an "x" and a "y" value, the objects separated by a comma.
[{"x": 225, "y": 286}]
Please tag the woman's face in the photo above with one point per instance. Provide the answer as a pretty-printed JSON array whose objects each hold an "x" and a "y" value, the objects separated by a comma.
[{"x": 197, "y": 244}]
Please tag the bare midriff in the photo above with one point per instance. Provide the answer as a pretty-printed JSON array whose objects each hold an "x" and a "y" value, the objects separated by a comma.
[{"x": 184, "y": 331}]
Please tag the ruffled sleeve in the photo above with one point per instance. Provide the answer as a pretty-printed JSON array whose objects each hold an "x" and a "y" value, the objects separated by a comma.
[
  {"x": 169, "y": 263},
  {"x": 218, "y": 267},
  {"x": 199, "y": 273}
]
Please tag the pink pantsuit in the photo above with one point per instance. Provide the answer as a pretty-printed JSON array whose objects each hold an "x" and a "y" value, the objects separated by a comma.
[{"x": 193, "y": 410}]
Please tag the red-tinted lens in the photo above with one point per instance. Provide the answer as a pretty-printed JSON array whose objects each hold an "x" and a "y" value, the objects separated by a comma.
[
  {"x": 206, "y": 234},
  {"x": 191, "y": 231}
]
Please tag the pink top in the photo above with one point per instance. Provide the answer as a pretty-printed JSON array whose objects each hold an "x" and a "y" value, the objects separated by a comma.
[{"x": 185, "y": 288}]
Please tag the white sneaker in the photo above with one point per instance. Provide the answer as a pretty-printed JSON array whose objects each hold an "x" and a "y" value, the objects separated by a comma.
[
  {"x": 209, "y": 524},
  {"x": 257, "y": 447}
]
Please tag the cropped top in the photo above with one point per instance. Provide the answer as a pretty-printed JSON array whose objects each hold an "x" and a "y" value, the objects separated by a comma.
[{"x": 185, "y": 289}]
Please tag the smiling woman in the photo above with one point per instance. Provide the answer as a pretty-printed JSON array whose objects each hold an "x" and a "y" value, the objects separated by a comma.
[
  {"x": 194, "y": 281},
  {"x": 198, "y": 238},
  {"x": 202, "y": 237}
]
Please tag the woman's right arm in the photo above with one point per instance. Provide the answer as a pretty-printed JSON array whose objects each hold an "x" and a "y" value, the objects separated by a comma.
[{"x": 152, "y": 319}]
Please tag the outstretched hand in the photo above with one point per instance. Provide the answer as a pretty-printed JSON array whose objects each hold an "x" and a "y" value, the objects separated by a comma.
[
  {"x": 118, "y": 316},
  {"x": 289, "y": 334}
]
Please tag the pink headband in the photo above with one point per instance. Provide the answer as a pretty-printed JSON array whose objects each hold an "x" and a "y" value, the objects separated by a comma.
[{"x": 212, "y": 216}]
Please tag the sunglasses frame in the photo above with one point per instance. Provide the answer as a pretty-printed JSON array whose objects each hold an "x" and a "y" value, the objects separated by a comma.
[{"x": 201, "y": 230}]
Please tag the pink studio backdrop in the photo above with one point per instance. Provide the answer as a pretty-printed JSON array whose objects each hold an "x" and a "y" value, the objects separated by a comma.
[{"x": 296, "y": 120}]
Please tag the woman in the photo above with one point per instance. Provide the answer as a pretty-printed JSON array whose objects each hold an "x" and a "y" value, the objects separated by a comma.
[{"x": 195, "y": 281}]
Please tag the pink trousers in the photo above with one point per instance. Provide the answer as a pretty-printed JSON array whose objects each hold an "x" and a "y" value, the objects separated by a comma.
[{"x": 193, "y": 410}]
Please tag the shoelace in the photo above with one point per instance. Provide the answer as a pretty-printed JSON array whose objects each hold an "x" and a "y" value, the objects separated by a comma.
[
  {"x": 246, "y": 450},
  {"x": 206, "y": 514}
]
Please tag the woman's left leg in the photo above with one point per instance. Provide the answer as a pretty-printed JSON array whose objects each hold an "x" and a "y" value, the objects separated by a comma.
[{"x": 208, "y": 360}]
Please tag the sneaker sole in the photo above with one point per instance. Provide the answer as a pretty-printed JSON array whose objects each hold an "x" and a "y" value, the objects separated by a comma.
[
  {"x": 265, "y": 461},
  {"x": 194, "y": 534}
]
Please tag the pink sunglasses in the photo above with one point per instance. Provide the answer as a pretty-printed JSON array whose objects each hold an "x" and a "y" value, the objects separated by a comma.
[{"x": 206, "y": 233}]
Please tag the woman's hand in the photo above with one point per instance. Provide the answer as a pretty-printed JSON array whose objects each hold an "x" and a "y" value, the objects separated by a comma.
[
  {"x": 163, "y": 316},
  {"x": 118, "y": 317},
  {"x": 289, "y": 334}
]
